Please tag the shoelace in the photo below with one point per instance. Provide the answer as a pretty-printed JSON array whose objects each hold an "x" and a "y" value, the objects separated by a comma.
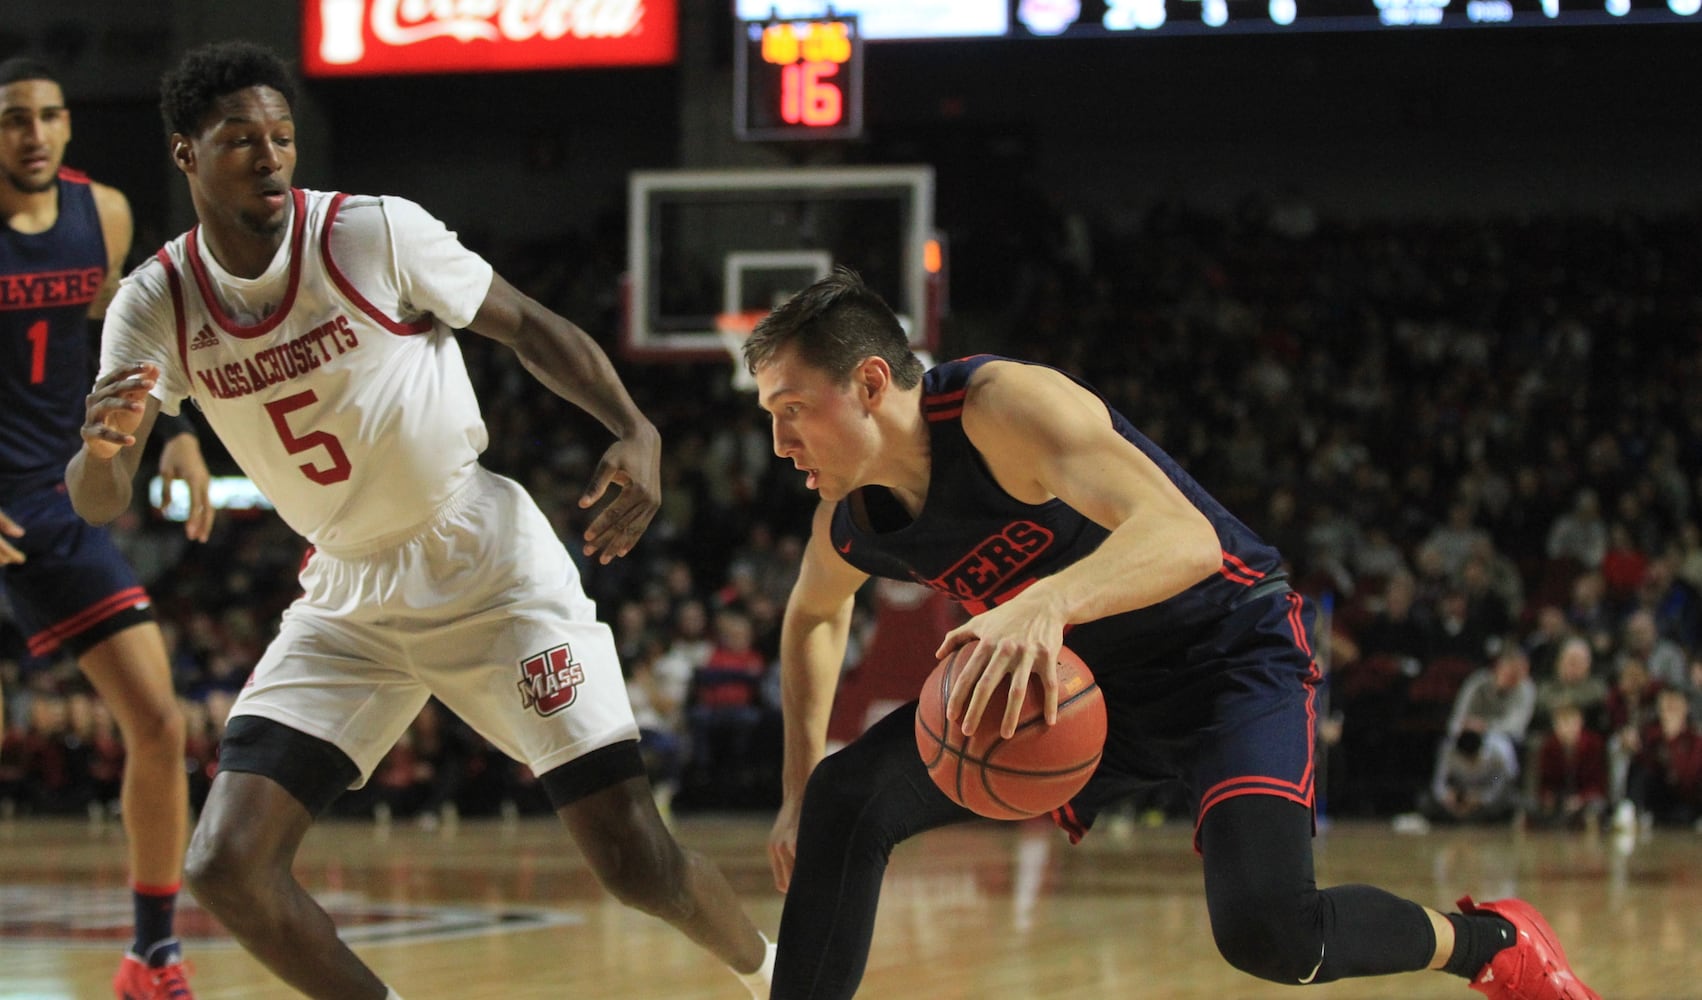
[{"x": 170, "y": 982}]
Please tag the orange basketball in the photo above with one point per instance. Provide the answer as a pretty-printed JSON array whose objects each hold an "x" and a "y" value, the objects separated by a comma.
[{"x": 1035, "y": 771}]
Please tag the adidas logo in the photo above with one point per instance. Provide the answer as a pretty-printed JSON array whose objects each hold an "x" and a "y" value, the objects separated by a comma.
[{"x": 204, "y": 337}]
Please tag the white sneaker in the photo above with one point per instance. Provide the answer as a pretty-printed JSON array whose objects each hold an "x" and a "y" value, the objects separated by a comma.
[
  {"x": 1411, "y": 823},
  {"x": 1625, "y": 815}
]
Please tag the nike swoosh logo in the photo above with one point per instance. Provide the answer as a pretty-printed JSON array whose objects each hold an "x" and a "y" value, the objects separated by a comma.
[
  {"x": 1314, "y": 973},
  {"x": 845, "y": 549}
]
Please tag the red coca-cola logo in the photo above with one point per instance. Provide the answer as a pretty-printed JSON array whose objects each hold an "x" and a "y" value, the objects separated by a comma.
[{"x": 377, "y": 37}]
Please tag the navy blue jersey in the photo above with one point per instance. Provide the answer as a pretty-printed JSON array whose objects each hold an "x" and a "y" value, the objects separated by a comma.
[
  {"x": 980, "y": 546},
  {"x": 47, "y": 281}
]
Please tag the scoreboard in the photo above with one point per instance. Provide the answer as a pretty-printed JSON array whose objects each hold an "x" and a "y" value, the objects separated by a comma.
[
  {"x": 798, "y": 79},
  {"x": 798, "y": 64},
  {"x": 885, "y": 20}
]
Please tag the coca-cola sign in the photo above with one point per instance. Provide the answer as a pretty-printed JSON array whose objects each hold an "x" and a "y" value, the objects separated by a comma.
[{"x": 380, "y": 37}]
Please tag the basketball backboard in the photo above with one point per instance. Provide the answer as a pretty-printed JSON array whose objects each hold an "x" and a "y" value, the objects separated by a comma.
[{"x": 704, "y": 245}]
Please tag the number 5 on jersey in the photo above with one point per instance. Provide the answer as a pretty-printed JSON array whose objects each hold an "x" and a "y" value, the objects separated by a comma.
[{"x": 279, "y": 410}]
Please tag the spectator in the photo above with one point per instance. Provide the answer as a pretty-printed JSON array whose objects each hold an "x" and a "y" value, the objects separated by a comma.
[
  {"x": 1665, "y": 783},
  {"x": 1574, "y": 686},
  {"x": 658, "y": 705},
  {"x": 1456, "y": 632},
  {"x": 1477, "y": 780},
  {"x": 725, "y": 710},
  {"x": 1630, "y": 709},
  {"x": 1454, "y": 540},
  {"x": 1676, "y": 605},
  {"x": 1663, "y": 657},
  {"x": 1497, "y": 699},
  {"x": 1571, "y": 773},
  {"x": 1624, "y": 565},
  {"x": 1580, "y": 535},
  {"x": 1589, "y": 614},
  {"x": 1546, "y": 639}
]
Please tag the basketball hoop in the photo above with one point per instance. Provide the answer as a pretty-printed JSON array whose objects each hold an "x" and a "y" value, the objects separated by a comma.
[{"x": 733, "y": 328}]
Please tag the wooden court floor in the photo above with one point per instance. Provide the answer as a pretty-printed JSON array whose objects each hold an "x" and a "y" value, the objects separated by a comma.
[{"x": 484, "y": 909}]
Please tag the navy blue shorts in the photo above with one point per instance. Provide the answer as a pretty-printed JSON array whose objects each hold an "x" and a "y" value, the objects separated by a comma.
[
  {"x": 75, "y": 588},
  {"x": 1233, "y": 714}
]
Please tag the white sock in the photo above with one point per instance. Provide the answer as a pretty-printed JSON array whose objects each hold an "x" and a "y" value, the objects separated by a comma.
[
  {"x": 759, "y": 981},
  {"x": 391, "y": 994}
]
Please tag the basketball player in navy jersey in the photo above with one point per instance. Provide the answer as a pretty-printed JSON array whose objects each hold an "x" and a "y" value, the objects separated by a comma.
[
  {"x": 1020, "y": 493},
  {"x": 62, "y": 250}
]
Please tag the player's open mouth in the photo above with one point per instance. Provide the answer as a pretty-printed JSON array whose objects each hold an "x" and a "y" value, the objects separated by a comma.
[{"x": 810, "y": 476}]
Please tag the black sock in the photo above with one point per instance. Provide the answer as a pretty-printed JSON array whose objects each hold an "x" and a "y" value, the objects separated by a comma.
[
  {"x": 1478, "y": 938},
  {"x": 155, "y": 910}
]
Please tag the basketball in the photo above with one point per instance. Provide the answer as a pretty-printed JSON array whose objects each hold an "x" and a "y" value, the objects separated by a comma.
[{"x": 1035, "y": 771}]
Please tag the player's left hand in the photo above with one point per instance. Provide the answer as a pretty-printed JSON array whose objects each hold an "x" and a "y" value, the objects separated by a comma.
[
  {"x": 633, "y": 463},
  {"x": 1015, "y": 640},
  {"x": 180, "y": 458},
  {"x": 114, "y": 409}
]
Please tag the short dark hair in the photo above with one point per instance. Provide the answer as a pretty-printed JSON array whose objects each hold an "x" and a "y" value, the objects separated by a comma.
[
  {"x": 836, "y": 323},
  {"x": 25, "y": 68},
  {"x": 189, "y": 91}
]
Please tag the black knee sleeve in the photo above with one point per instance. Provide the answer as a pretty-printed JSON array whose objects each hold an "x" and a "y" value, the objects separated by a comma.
[{"x": 1271, "y": 921}]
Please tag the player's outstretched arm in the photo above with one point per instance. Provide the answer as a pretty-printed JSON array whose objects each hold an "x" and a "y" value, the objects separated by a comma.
[
  {"x": 565, "y": 359},
  {"x": 118, "y": 414},
  {"x": 813, "y": 635}
]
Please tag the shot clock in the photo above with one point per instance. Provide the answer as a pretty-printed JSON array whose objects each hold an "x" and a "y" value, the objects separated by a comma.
[{"x": 798, "y": 79}]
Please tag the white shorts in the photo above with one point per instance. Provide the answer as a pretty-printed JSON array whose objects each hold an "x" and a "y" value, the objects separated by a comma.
[{"x": 482, "y": 608}]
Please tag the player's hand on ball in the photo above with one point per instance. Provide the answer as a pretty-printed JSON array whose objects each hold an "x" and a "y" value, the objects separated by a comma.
[
  {"x": 1012, "y": 644},
  {"x": 114, "y": 409}
]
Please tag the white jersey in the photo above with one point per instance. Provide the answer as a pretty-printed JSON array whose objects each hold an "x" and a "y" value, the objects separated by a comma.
[{"x": 334, "y": 379}]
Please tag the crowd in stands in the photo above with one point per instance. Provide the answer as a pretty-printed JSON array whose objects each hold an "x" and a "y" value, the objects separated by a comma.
[{"x": 1477, "y": 443}]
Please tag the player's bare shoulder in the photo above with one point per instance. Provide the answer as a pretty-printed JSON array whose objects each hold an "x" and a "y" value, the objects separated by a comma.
[
  {"x": 1018, "y": 416},
  {"x": 1007, "y": 397},
  {"x": 110, "y": 204}
]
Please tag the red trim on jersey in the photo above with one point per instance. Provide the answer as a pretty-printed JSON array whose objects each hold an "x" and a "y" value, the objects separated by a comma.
[
  {"x": 1065, "y": 818},
  {"x": 1305, "y": 792},
  {"x": 353, "y": 294},
  {"x": 227, "y": 323},
  {"x": 73, "y": 175},
  {"x": 943, "y": 406},
  {"x": 48, "y": 639},
  {"x": 176, "y": 285},
  {"x": 1240, "y": 572}
]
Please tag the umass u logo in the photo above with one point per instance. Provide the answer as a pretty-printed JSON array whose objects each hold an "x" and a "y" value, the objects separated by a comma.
[
  {"x": 993, "y": 562},
  {"x": 549, "y": 681}
]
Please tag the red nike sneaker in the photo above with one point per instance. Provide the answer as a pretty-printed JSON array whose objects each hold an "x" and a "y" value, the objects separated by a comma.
[
  {"x": 1532, "y": 968},
  {"x": 136, "y": 981}
]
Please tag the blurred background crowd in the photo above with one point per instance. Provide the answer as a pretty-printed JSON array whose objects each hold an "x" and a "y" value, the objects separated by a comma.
[{"x": 1475, "y": 440}]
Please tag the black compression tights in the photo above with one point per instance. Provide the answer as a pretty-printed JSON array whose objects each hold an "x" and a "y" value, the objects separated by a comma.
[{"x": 1268, "y": 917}]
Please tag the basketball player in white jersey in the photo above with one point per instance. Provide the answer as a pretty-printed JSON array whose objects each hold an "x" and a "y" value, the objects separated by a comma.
[{"x": 314, "y": 331}]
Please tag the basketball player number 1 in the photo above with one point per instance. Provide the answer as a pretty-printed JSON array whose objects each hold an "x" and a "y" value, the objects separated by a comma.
[{"x": 279, "y": 410}]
